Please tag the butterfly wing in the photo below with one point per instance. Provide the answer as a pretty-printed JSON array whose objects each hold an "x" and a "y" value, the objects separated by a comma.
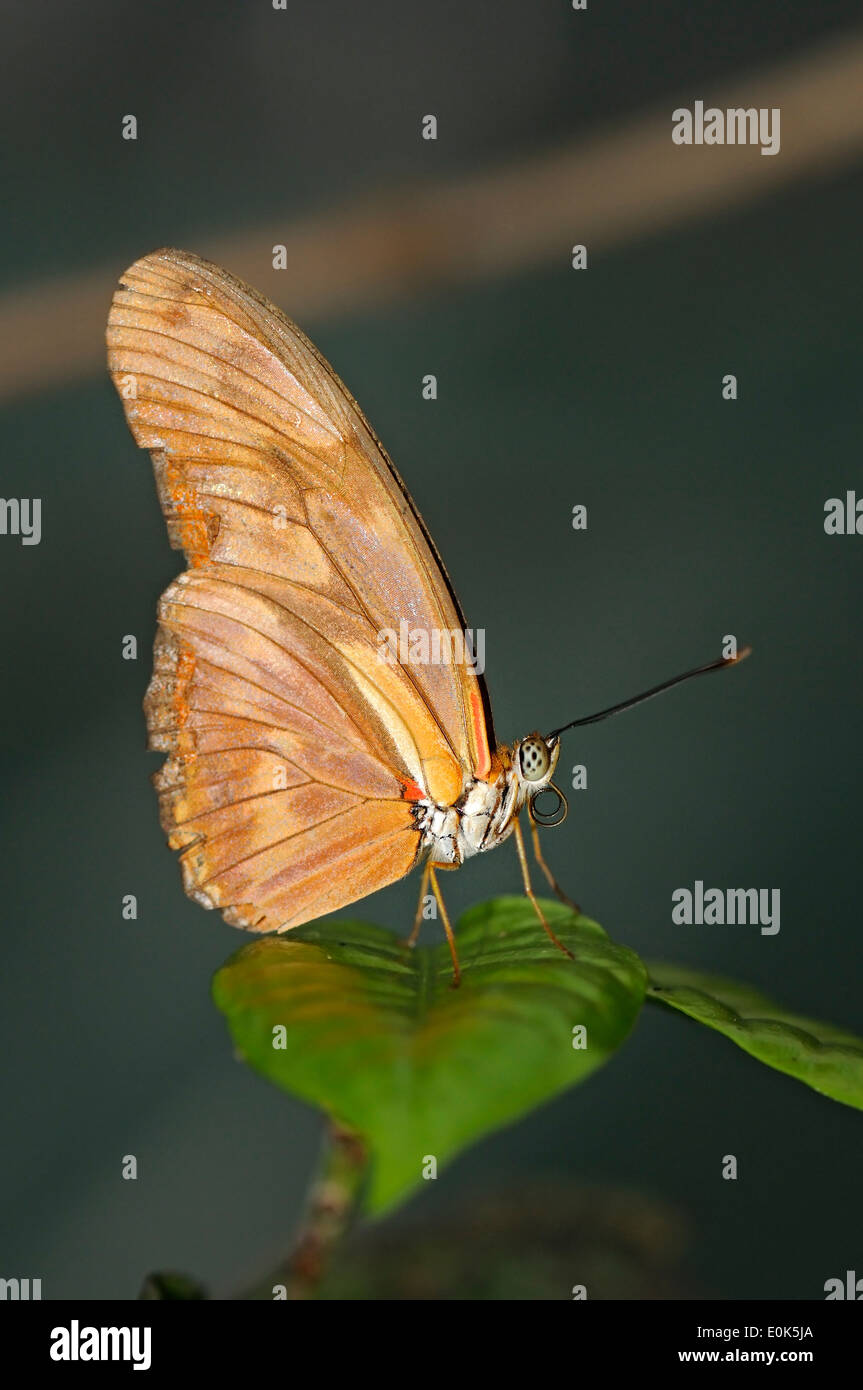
[{"x": 297, "y": 744}]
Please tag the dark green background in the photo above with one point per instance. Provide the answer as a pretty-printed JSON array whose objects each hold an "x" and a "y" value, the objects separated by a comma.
[{"x": 705, "y": 518}]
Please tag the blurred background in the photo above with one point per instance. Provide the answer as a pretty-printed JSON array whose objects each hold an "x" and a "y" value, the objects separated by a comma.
[{"x": 555, "y": 387}]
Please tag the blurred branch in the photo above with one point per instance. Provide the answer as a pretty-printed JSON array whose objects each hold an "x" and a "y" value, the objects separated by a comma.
[
  {"x": 611, "y": 187},
  {"x": 331, "y": 1207}
]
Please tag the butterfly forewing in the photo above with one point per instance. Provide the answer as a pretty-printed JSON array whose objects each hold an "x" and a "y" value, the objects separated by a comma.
[{"x": 296, "y": 744}]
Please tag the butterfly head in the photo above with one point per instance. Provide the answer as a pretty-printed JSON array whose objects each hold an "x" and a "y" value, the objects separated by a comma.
[{"x": 534, "y": 761}]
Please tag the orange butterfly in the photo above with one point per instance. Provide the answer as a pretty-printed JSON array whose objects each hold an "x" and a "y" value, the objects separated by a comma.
[{"x": 308, "y": 762}]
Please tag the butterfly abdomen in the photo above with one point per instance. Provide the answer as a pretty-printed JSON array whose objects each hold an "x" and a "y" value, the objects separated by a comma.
[{"x": 481, "y": 819}]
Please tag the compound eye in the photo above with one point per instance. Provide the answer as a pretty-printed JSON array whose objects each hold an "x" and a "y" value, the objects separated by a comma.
[{"x": 533, "y": 760}]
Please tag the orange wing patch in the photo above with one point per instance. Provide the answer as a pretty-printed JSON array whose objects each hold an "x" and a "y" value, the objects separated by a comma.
[{"x": 190, "y": 528}]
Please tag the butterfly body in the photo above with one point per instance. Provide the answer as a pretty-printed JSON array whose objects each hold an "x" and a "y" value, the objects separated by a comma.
[{"x": 309, "y": 761}]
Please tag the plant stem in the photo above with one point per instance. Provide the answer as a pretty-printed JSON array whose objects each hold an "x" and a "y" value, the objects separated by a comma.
[{"x": 332, "y": 1202}]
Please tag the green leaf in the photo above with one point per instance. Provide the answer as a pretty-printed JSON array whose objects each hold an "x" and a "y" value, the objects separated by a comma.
[
  {"x": 828, "y": 1059},
  {"x": 376, "y": 1036}
]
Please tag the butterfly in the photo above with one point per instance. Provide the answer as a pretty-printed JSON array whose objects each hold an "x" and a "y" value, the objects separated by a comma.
[{"x": 310, "y": 759}]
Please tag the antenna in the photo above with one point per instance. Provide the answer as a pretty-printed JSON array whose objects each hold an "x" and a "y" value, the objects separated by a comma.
[{"x": 719, "y": 665}]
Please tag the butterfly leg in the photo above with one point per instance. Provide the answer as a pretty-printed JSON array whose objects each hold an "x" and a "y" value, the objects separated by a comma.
[
  {"x": 525, "y": 873},
  {"x": 446, "y": 926},
  {"x": 552, "y": 881},
  {"x": 418, "y": 919}
]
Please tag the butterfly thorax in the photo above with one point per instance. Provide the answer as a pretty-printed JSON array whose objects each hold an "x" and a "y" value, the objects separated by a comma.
[{"x": 486, "y": 812}]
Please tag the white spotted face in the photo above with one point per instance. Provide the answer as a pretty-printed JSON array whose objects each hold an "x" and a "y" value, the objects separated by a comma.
[{"x": 535, "y": 760}]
